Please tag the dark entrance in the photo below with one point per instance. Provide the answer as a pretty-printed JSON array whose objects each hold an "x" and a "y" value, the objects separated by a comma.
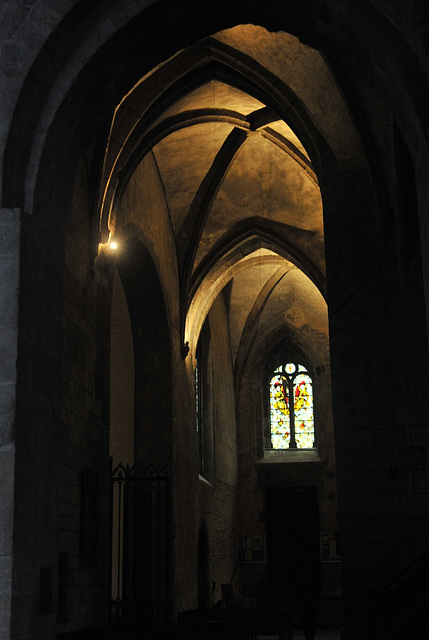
[
  {"x": 292, "y": 521},
  {"x": 140, "y": 544}
]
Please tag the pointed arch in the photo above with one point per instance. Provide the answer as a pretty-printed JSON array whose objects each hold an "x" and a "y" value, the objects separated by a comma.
[
  {"x": 152, "y": 353},
  {"x": 139, "y": 110},
  {"x": 231, "y": 257},
  {"x": 255, "y": 233}
]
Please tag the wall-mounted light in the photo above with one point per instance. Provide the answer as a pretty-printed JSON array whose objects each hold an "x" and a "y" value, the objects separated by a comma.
[{"x": 107, "y": 254}]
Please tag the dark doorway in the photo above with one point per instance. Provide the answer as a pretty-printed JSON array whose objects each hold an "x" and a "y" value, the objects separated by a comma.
[{"x": 292, "y": 521}]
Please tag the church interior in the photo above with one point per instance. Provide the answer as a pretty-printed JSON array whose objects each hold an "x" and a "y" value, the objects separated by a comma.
[{"x": 214, "y": 290}]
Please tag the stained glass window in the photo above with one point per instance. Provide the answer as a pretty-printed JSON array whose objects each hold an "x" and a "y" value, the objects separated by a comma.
[{"x": 291, "y": 408}]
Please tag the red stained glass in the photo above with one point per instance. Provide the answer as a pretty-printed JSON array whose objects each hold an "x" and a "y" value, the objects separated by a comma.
[{"x": 292, "y": 423}]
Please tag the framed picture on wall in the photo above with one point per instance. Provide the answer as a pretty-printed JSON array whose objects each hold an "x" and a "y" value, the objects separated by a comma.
[
  {"x": 328, "y": 547},
  {"x": 253, "y": 548}
]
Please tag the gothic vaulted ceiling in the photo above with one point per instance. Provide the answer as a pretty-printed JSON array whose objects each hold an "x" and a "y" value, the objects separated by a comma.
[{"x": 228, "y": 125}]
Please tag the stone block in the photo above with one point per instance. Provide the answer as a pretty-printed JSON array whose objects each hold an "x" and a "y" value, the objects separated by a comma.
[
  {"x": 383, "y": 482},
  {"x": 9, "y": 280},
  {"x": 374, "y": 557},
  {"x": 10, "y": 228},
  {"x": 356, "y": 459},
  {"x": 8, "y": 346},
  {"x": 7, "y": 412},
  {"x": 21, "y": 620},
  {"x": 343, "y": 420},
  {"x": 358, "y": 531},
  {"x": 411, "y": 459},
  {"x": 421, "y": 480},
  {"x": 7, "y": 476},
  {"x": 352, "y": 440},
  {"x": 6, "y": 563},
  {"x": 354, "y": 480},
  {"x": 382, "y": 437},
  {"x": 384, "y": 505},
  {"x": 419, "y": 436},
  {"x": 355, "y": 505},
  {"x": 5, "y": 614}
]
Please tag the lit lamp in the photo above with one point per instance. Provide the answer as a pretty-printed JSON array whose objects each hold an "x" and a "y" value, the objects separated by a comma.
[{"x": 107, "y": 255}]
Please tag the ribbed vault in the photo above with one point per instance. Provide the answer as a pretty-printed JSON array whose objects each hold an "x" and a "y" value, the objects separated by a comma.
[{"x": 236, "y": 154}]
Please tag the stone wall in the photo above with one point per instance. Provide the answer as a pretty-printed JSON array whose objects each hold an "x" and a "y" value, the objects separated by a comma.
[
  {"x": 83, "y": 438},
  {"x": 56, "y": 90},
  {"x": 260, "y": 470},
  {"x": 9, "y": 285}
]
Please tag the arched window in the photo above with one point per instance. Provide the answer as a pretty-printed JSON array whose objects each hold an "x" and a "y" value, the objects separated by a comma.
[
  {"x": 203, "y": 381},
  {"x": 291, "y": 408},
  {"x": 199, "y": 407}
]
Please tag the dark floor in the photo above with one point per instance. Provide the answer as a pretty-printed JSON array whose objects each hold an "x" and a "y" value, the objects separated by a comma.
[
  {"x": 322, "y": 634},
  {"x": 168, "y": 632}
]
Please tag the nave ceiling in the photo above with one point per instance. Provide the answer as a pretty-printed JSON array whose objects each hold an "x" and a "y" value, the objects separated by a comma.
[{"x": 241, "y": 191}]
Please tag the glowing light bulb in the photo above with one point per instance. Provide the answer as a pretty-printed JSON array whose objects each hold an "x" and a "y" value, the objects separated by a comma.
[{"x": 113, "y": 245}]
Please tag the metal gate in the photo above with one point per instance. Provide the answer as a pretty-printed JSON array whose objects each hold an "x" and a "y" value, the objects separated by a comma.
[{"x": 140, "y": 508}]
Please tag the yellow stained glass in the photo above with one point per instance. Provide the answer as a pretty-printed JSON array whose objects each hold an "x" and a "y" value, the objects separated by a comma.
[
  {"x": 279, "y": 412},
  {"x": 291, "y": 408}
]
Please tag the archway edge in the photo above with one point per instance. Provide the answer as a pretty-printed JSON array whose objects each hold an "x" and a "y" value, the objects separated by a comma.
[
  {"x": 254, "y": 233},
  {"x": 74, "y": 104},
  {"x": 222, "y": 267},
  {"x": 150, "y": 326},
  {"x": 37, "y": 105},
  {"x": 265, "y": 353},
  {"x": 210, "y": 60}
]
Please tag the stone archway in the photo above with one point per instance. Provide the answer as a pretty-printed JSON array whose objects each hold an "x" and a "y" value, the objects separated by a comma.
[
  {"x": 54, "y": 124},
  {"x": 152, "y": 355}
]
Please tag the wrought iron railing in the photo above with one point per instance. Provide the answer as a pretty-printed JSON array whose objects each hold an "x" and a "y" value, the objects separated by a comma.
[{"x": 140, "y": 508}]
